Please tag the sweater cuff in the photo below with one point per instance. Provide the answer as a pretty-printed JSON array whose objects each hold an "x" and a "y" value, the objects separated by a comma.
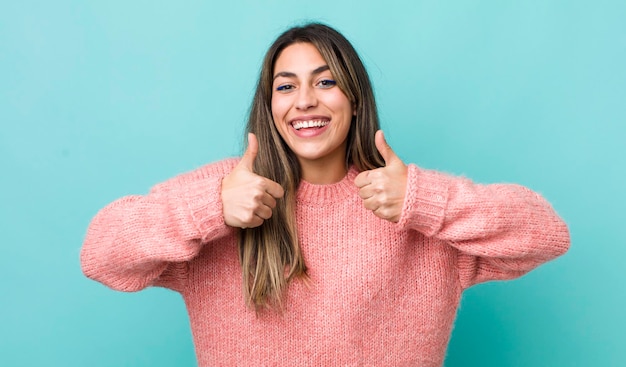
[
  {"x": 425, "y": 201},
  {"x": 202, "y": 204}
]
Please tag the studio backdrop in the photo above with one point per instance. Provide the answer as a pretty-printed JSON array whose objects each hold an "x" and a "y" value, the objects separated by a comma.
[{"x": 101, "y": 99}]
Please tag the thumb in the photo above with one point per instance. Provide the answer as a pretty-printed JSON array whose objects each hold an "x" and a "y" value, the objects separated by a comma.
[
  {"x": 384, "y": 149},
  {"x": 247, "y": 160}
]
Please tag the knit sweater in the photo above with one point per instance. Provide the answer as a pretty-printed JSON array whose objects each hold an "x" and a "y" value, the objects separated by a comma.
[{"x": 379, "y": 293}]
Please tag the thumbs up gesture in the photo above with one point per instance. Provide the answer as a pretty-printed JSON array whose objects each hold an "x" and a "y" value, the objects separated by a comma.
[
  {"x": 247, "y": 198},
  {"x": 383, "y": 189}
]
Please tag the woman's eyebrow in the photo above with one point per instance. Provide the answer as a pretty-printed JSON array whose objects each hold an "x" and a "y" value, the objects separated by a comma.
[
  {"x": 320, "y": 70},
  {"x": 288, "y": 74}
]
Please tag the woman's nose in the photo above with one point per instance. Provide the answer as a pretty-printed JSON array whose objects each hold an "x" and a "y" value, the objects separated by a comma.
[{"x": 306, "y": 98}]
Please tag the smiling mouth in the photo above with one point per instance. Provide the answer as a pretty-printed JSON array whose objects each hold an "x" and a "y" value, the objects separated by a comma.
[{"x": 309, "y": 124}]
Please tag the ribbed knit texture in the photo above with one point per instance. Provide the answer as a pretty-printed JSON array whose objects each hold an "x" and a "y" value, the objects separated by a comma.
[{"x": 380, "y": 293}]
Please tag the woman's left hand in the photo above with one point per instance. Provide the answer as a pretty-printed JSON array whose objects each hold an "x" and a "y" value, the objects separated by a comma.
[{"x": 383, "y": 189}]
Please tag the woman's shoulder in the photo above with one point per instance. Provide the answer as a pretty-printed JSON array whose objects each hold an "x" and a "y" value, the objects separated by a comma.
[{"x": 211, "y": 171}]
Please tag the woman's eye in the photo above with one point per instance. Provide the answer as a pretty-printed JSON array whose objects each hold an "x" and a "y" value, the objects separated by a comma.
[
  {"x": 327, "y": 83},
  {"x": 284, "y": 88}
]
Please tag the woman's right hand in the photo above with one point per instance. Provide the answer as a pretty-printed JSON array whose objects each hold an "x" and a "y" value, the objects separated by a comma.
[{"x": 247, "y": 198}]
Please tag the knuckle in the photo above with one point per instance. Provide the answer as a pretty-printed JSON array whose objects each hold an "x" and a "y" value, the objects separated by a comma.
[
  {"x": 264, "y": 213},
  {"x": 376, "y": 174},
  {"x": 257, "y": 194},
  {"x": 277, "y": 189},
  {"x": 258, "y": 181},
  {"x": 271, "y": 204},
  {"x": 248, "y": 218},
  {"x": 383, "y": 197},
  {"x": 385, "y": 213}
]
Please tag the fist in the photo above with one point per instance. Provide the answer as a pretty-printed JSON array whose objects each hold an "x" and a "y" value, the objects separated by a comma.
[
  {"x": 383, "y": 189},
  {"x": 247, "y": 198}
]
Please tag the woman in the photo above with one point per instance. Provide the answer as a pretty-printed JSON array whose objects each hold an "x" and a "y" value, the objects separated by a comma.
[{"x": 346, "y": 256}]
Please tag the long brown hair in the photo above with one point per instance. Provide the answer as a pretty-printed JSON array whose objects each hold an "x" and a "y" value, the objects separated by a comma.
[{"x": 270, "y": 254}]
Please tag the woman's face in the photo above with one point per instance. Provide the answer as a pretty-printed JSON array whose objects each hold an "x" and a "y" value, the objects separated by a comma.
[{"x": 311, "y": 113}]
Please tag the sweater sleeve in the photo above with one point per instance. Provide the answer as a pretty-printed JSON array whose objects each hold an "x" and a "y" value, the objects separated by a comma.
[
  {"x": 501, "y": 231},
  {"x": 140, "y": 241}
]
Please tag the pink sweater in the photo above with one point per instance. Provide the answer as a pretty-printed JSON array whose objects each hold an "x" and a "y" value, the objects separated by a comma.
[{"x": 381, "y": 293}]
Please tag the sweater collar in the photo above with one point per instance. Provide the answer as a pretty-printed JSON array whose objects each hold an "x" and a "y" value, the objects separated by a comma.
[{"x": 331, "y": 193}]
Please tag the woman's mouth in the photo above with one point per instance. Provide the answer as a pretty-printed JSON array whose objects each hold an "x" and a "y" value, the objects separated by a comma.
[{"x": 308, "y": 124}]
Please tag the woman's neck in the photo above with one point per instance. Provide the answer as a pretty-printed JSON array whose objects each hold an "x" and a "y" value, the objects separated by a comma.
[{"x": 322, "y": 172}]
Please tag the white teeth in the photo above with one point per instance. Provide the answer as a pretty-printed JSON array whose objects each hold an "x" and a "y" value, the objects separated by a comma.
[{"x": 307, "y": 124}]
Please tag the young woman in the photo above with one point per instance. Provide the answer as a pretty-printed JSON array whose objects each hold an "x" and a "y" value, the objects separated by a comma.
[{"x": 319, "y": 247}]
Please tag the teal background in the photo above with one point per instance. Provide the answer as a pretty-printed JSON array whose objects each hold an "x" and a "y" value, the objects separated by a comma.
[{"x": 104, "y": 99}]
